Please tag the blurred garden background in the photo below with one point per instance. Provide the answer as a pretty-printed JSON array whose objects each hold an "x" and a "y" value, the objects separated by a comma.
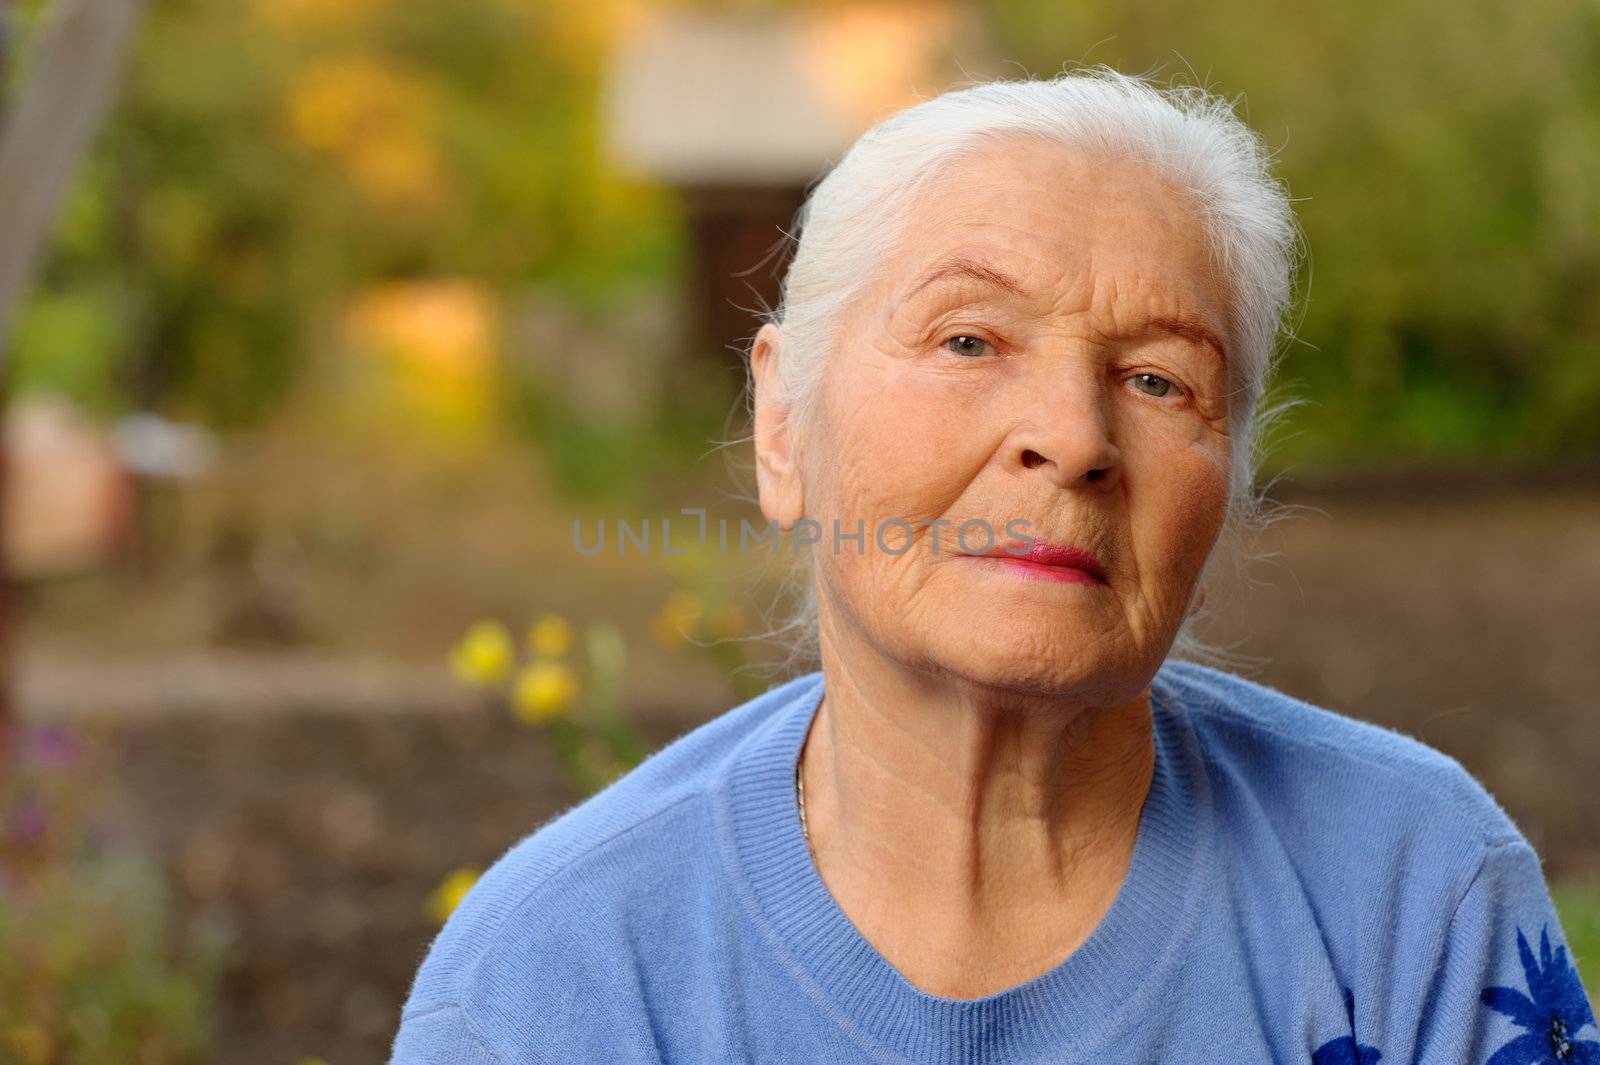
[{"x": 322, "y": 321}]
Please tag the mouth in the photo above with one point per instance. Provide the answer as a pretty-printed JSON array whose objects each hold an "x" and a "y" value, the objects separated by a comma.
[{"x": 1039, "y": 560}]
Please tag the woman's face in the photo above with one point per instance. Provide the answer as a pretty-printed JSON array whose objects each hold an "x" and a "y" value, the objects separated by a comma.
[{"x": 1036, "y": 362}]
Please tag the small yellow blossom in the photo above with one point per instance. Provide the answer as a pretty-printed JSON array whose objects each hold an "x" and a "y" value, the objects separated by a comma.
[
  {"x": 550, "y": 637},
  {"x": 371, "y": 115},
  {"x": 448, "y": 895},
  {"x": 678, "y": 620},
  {"x": 333, "y": 104},
  {"x": 544, "y": 689},
  {"x": 483, "y": 657}
]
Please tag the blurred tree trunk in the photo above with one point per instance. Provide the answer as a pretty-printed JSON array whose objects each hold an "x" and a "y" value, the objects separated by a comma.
[
  {"x": 46, "y": 123},
  {"x": 5, "y": 47},
  {"x": 6, "y": 40}
]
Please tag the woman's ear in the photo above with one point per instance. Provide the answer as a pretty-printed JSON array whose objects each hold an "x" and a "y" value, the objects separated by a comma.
[{"x": 777, "y": 476}]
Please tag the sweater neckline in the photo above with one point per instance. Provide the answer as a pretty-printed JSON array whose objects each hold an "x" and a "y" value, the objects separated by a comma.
[{"x": 1103, "y": 987}]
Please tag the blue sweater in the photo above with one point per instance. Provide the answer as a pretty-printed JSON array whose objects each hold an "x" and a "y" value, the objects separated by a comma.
[{"x": 1304, "y": 887}]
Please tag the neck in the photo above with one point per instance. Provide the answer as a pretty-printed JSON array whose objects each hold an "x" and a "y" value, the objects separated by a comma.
[{"x": 960, "y": 821}]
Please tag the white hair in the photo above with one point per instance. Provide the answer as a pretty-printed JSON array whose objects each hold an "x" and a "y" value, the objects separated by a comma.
[{"x": 853, "y": 222}]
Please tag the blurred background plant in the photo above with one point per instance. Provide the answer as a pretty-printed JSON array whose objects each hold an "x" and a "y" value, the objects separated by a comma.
[
  {"x": 197, "y": 269},
  {"x": 96, "y": 965},
  {"x": 578, "y": 703},
  {"x": 1578, "y": 903},
  {"x": 708, "y": 613},
  {"x": 448, "y": 895}
]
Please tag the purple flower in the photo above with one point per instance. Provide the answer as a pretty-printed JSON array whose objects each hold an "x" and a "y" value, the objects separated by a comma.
[{"x": 52, "y": 746}]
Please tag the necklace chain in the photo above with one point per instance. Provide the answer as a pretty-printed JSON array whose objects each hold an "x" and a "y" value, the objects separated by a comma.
[{"x": 800, "y": 787}]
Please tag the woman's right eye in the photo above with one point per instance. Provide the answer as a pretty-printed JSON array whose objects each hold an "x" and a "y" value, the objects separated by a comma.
[{"x": 967, "y": 345}]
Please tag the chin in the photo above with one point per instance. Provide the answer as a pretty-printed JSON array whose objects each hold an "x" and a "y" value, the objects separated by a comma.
[{"x": 1046, "y": 660}]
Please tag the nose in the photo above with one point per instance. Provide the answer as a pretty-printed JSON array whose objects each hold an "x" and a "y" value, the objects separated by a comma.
[{"x": 1066, "y": 434}]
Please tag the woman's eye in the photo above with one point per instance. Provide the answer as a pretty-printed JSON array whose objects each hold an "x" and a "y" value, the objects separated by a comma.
[
  {"x": 966, "y": 345},
  {"x": 1159, "y": 386}
]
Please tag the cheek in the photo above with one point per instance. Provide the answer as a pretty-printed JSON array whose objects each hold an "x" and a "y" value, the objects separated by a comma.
[
  {"x": 905, "y": 442},
  {"x": 898, "y": 449},
  {"x": 1177, "y": 499}
]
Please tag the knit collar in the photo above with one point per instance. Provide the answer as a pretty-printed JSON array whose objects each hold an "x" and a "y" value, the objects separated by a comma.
[{"x": 1106, "y": 986}]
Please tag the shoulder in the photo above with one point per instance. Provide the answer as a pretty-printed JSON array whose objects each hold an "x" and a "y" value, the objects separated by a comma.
[
  {"x": 1292, "y": 753},
  {"x": 556, "y": 894},
  {"x": 1386, "y": 853}
]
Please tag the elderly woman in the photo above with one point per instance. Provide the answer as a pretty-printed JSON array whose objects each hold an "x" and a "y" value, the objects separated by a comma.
[{"x": 1016, "y": 378}]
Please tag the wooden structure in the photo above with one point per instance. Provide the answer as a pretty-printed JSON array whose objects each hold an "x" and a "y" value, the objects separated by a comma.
[{"x": 742, "y": 111}]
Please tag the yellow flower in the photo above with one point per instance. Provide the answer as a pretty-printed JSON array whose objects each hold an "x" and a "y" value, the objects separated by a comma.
[
  {"x": 372, "y": 116},
  {"x": 678, "y": 619},
  {"x": 483, "y": 657},
  {"x": 333, "y": 104},
  {"x": 448, "y": 895},
  {"x": 550, "y": 637},
  {"x": 544, "y": 689}
]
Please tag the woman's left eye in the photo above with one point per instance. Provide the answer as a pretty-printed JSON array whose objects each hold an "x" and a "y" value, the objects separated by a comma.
[
  {"x": 966, "y": 345},
  {"x": 1160, "y": 386}
]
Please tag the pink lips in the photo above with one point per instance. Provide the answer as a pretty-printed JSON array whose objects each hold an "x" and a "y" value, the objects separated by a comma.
[{"x": 1043, "y": 561}]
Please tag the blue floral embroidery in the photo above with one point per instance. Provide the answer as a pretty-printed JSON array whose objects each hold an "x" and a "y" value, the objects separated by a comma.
[
  {"x": 1345, "y": 1050},
  {"x": 1553, "y": 1011}
]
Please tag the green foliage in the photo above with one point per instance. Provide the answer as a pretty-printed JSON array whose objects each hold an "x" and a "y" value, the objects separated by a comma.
[
  {"x": 71, "y": 343},
  {"x": 1439, "y": 156},
  {"x": 266, "y": 160},
  {"x": 94, "y": 968},
  {"x": 621, "y": 460},
  {"x": 1579, "y": 908},
  {"x": 269, "y": 159}
]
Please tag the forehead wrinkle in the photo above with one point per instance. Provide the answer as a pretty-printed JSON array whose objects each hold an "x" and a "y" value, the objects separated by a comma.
[{"x": 1156, "y": 303}]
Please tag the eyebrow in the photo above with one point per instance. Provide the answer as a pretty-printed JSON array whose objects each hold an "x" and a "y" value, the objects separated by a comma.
[
  {"x": 1187, "y": 326},
  {"x": 961, "y": 266}
]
